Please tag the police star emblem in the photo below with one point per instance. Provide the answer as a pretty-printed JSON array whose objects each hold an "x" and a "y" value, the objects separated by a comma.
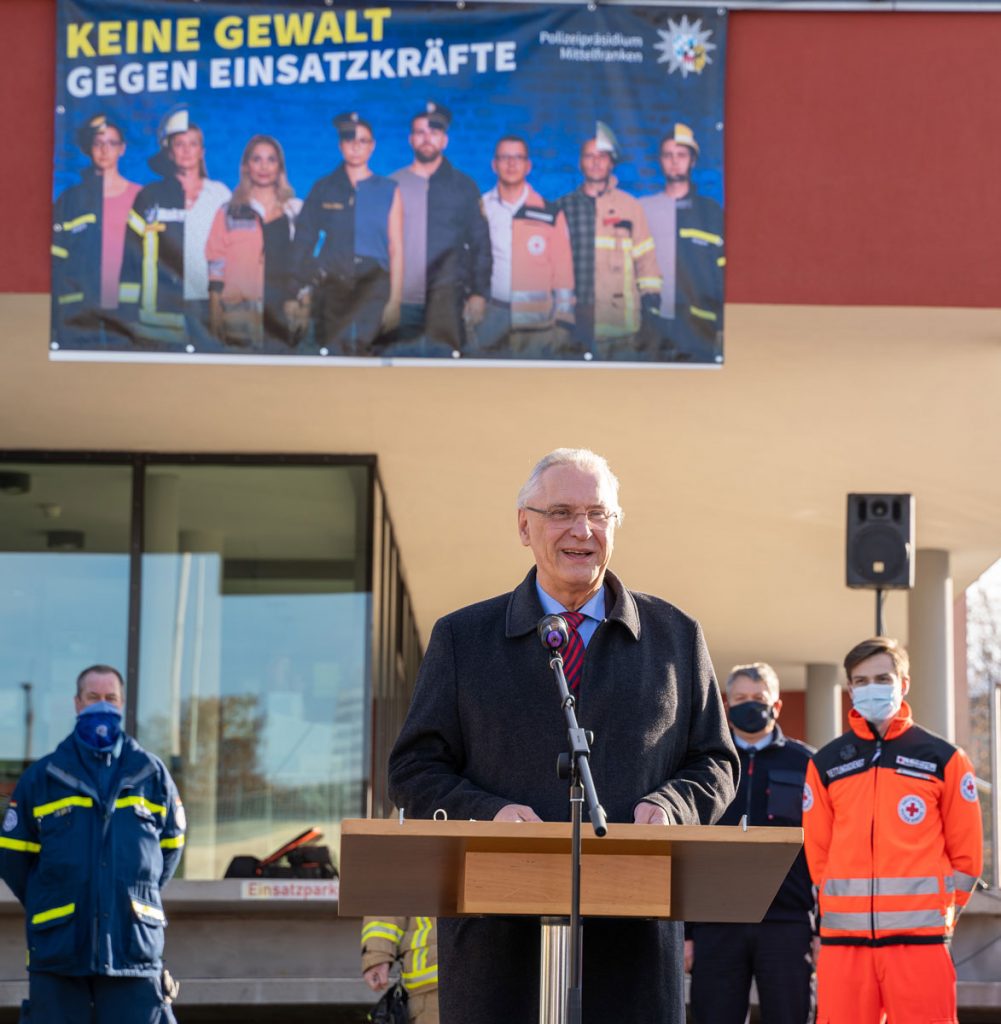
[{"x": 684, "y": 46}]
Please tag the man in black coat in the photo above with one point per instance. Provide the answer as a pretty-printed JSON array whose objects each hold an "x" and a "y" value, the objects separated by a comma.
[
  {"x": 777, "y": 953},
  {"x": 485, "y": 726}
]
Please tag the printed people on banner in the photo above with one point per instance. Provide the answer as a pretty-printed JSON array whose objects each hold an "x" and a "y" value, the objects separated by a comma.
[
  {"x": 688, "y": 230},
  {"x": 447, "y": 259},
  {"x": 531, "y": 308},
  {"x": 249, "y": 252},
  {"x": 347, "y": 260},
  {"x": 616, "y": 276},
  {"x": 414, "y": 264},
  {"x": 88, "y": 235},
  {"x": 165, "y": 276}
]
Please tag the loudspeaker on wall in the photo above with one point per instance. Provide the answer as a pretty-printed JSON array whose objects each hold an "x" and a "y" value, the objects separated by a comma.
[{"x": 880, "y": 541}]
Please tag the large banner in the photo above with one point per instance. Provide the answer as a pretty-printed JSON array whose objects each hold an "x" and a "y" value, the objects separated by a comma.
[{"x": 412, "y": 181}]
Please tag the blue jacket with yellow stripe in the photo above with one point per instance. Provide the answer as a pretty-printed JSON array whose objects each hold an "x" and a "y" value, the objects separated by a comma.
[
  {"x": 89, "y": 871},
  {"x": 76, "y": 252}
]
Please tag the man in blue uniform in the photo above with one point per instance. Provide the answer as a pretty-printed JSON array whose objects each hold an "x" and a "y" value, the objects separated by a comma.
[
  {"x": 347, "y": 257},
  {"x": 687, "y": 228},
  {"x": 777, "y": 953},
  {"x": 91, "y": 835}
]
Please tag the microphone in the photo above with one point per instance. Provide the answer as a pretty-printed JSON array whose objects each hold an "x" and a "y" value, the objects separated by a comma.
[{"x": 552, "y": 630}]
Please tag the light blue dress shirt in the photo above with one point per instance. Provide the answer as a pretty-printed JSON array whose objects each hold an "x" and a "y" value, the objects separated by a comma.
[{"x": 593, "y": 611}]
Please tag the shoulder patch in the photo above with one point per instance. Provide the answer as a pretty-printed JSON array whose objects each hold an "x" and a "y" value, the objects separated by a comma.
[
  {"x": 534, "y": 213},
  {"x": 914, "y": 762},
  {"x": 179, "y": 816},
  {"x": 845, "y": 769},
  {"x": 912, "y": 809},
  {"x": 967, "y": 788},
  {"x": 10, "y": 820},
  {"x": 807, "y": 797}
]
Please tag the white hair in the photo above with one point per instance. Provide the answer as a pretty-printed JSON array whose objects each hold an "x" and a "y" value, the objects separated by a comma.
[
  {"x": 582, "y": 458},
  {"x": 758, "y": 672}
]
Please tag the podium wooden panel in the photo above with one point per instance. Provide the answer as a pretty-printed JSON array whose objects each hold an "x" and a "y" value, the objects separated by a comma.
[{"x": 456, "y": 868}]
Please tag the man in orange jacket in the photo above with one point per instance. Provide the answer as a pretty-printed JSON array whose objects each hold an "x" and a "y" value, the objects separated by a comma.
[
  {"x": 530, "y": 312},
  {"x": 895, "y": 846}
]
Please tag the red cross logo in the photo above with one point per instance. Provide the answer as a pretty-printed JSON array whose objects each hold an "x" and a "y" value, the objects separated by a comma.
[
  {"x": 911, "y": 809},
  {"x": 968, "y": 787}
]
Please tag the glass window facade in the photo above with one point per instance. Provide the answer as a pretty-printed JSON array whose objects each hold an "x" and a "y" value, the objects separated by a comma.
[{"x": 260, "y": 611}]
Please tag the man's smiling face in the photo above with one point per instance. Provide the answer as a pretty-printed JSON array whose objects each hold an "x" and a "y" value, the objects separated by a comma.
[{"x": 571, "y": 558}]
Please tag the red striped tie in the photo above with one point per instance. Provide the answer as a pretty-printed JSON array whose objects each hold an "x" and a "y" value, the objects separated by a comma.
[{"x": 573, "y": 655}]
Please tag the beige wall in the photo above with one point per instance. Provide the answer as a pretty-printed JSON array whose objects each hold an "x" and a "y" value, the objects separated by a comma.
[{"x": 733, "y": 480}]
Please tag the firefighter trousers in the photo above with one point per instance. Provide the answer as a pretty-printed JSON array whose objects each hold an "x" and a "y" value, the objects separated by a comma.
[{"x": 886, "y": 985}]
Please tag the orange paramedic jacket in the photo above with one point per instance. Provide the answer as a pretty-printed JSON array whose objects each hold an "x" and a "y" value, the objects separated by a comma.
[{"x": 893, "y": 835}]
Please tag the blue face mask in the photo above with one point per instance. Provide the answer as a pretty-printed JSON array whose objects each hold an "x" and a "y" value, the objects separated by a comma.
[
  {"x": 99, "y": 725},
  {"x": 877, "y": 702}
]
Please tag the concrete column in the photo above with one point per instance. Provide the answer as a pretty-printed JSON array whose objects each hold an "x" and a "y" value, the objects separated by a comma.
[
  {"x": 930, "y": 642},
  {"x": 823, "y": 703}
]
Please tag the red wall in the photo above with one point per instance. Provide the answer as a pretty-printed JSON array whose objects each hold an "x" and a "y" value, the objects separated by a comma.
[{"x": 862, "y": 156}]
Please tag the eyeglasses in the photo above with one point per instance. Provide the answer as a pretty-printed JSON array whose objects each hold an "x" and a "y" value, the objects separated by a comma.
[{"x": 562, "y": 515}]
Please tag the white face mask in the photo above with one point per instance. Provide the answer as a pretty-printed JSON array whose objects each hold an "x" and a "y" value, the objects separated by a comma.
[{"x": 877, "y": 702}]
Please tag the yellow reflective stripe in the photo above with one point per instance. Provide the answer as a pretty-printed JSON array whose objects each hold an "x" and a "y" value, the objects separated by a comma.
[
  {"x": 21, "y": 845},
  {"x": 420, "y": 979},
  {"x": 84, "y": 218},
  {"x": 702, "y": 314},
  {"x": 420, "y": 937},
  {"x": 643, "y": 247},
  {"x": 57, "y": 805},
  {"x": 51, "y": 915},
  {"x": 65, "y": 300},
  {"x": 653, "y": 283},
  {"x": 140, "y": 801},
  {"x": 172, "y": 843},
  {"x": 382, "y": 930},
  {"x": 58, "y": 250},
  {"x": 602, "y": 242},
  {"x": 136, "y": 222},
  {"x": 702, "y": 236},
  {"x": 144, "y": 910},
  {"x": 128, "y": 292}
]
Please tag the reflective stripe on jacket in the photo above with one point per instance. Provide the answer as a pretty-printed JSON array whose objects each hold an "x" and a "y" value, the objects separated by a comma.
[
  {"x": 625, "y": 264},
  {"x": 893, "y": 834},
  {"x": 413, "y": 940},
  {"x": 541, "y": 266},
  {"x": 89, "y": 872}
]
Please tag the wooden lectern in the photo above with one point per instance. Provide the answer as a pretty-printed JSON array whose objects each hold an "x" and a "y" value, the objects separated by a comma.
[{"x": 457, "y": 868}]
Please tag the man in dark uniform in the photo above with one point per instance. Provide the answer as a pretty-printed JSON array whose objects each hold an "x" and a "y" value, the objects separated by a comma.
[
  {"x": 688, "y": 231},
  {"x": 778, "y": 952},
  {"x": 485, "y": 727},
  {"x": 347, "y": 257},
  {"x": 92, "y": 834},
  {"x": 447, "y": 258}
]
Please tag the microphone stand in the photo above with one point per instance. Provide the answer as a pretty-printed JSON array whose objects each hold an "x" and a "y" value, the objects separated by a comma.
[{"x": 575, "y": 766}]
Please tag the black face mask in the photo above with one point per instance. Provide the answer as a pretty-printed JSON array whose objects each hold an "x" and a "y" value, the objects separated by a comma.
[{"x": 751, "y": 716}]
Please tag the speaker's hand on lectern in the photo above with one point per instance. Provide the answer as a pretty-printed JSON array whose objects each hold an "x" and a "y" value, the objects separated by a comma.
[
  {"x": 516, "y": 812},
  {"x": 377, "y": 978},
  {"x": 649, "y": 814}
]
